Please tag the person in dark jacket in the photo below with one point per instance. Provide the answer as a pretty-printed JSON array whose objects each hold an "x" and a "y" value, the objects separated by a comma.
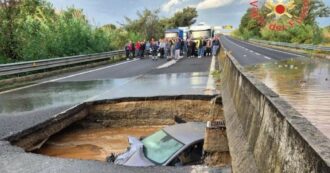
[
  {"x": 127, "y": 51},
  {"x": 208, "y": 47},
  {"x": 162, "y": 46},
  {"x": 204, "y": 47},
  {"x": 154, "y": 48},
  {"x": 193, "y": 49},
  {"x": 130, "y": 49},
  {"x": 189, "y": 51},
  {"x": 133, "y": 50},
  {"x": 143, "y": 48},
  {"x": 167, "y": 49}
]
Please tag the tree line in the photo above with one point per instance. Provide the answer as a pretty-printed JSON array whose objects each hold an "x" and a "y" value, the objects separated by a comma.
[
  {"x": 307, "y": 32},
  {"x": 34, "y": 29}
]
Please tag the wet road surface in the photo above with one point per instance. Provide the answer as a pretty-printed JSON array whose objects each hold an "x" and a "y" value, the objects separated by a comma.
[
  {"x": 304, "y": 83},
  {"x": 250, "y": 54},
  {"x": 23, "y": 108}
]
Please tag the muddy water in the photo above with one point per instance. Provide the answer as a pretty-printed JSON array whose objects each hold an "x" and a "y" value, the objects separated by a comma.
[
  {"x": 92, "y": 144},
  {"x": 304, "y": 83}
]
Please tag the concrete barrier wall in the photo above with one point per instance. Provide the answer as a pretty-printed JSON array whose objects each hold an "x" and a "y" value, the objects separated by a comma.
[{"x": 265, "y": 134}]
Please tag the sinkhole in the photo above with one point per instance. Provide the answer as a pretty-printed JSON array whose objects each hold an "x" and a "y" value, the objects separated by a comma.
[{"x": 188, "y": 130}]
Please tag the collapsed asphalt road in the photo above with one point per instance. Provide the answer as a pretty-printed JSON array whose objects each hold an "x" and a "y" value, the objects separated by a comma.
[{"x": 23, "y": 108}]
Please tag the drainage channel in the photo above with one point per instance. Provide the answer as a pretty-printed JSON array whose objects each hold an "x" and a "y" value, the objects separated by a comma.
[{"x": 170, "y": 131}]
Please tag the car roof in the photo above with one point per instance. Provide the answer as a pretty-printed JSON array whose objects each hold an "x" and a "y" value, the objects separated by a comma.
[{"x": 187, "y": 133}]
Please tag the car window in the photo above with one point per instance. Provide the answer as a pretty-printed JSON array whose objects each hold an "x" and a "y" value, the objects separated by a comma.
[
  {"x": 190, "y": 156},
  {"x": 159, "y": 147}
]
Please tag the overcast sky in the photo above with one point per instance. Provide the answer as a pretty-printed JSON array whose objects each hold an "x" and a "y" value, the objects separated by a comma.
[{"x": 213, "y": 12}]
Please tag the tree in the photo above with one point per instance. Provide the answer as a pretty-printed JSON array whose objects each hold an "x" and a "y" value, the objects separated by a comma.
[
  {"x": 184, "y": 18},
  {"x": 307, "y": 32},
  {"x": 148, "y": 24},
  {"x": 317, "y": 9},
  {"x": 8, "y": 13},
  {"x": 249, "y": 26},
  {"x": 110, "y": 26},
  {"x": 32, "y": 29},
  {"x": 326, "y": 35}
]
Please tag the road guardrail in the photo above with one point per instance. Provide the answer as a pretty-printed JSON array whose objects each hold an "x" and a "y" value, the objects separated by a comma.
[
  {"x": 291, "y": 45},
  {"x": 32, "y": 66}
]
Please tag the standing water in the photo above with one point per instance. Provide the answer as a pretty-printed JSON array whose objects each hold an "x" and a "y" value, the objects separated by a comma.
[
  {"x": 304, "y": 83},
  {"x": 92, "y": 144}
]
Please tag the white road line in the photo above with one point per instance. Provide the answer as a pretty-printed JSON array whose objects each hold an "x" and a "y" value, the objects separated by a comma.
[
  {"x": 257, "y": 53},
  {"x": 168, "y": 64},
  {"x": 266, "y": 48},
  {"x": 247, "y": 49},
  {"x": 78, "y": 74},
  {"x": 274, "y": 50},
  {"x": 210, "y": 81},
  {"x": 53, "y": 80}
]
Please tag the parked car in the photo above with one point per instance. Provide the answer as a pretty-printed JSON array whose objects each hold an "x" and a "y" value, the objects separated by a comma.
[{"x": 176, "y": 145}]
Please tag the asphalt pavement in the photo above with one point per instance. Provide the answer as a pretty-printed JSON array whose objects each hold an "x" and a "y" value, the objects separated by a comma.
[
  {"x": 249, "y": 54},
  {"x": 25, "y": 107}
]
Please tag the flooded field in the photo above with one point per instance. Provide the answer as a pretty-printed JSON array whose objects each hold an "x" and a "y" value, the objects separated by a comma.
[
  {"x": 304, "y": 83},
  {"x": 93, "y": 144}
]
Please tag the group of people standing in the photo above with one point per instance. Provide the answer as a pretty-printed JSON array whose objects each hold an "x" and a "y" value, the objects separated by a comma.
[
  {"x": 135, "y": 49},
  {"x": 203, "y": 47},
  {"x": 173, "y": 48}
]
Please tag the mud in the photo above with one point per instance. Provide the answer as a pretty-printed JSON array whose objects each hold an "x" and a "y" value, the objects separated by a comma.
[
  {"x": 105, "y": 126},
  {"x": 92, "y": 144},
  {"x": 163, "y": 112}
]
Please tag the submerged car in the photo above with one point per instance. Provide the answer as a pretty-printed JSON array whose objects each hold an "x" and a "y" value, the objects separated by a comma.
[{"x": 176, "y": 145}]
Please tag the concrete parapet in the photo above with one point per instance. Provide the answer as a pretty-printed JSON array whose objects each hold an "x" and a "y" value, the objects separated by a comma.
[{"x": 265, "y": 134}]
